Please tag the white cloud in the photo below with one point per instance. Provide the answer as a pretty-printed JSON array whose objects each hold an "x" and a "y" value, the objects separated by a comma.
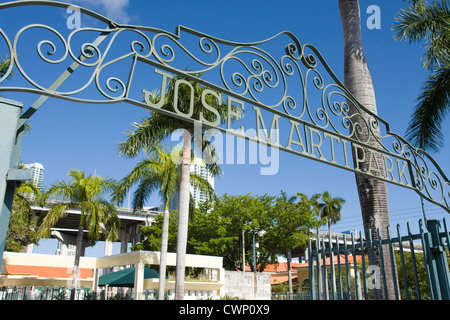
[{"x": 115, "y": 10}]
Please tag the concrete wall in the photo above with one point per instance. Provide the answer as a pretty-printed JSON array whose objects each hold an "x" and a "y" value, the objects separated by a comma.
[{"x": 247, "y": 285}]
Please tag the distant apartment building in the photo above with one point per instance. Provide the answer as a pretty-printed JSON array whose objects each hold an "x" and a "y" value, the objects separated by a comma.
[
  {"x": 38, "y": 173},
  {"x": 198, "y": 166},
  {"x": 37, "y": 170}
]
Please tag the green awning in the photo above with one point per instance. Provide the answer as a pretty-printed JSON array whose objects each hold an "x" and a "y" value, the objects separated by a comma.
[{"x": 125, "y": 277}]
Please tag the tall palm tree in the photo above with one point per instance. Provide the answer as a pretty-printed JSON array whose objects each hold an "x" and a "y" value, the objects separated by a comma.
[
  {"x": 158, "y": 171},
  {"x": 330, "y": 209},
  {"x": 429, "y": 23},
  {"x": 372, "y": 192},
  {"x": 97, "y": 214},
  {"x": 158, "y": 127},
  {"x": 312, "y": 204}
]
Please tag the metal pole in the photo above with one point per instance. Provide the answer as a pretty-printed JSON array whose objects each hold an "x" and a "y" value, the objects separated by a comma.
[
  {"x": 423, "y": 211},
  {"x": 254, "y": 253},
  {"x": 9, "y": 117},
  {"x": 439, "y": 259},
  {"x": 243, "y": 251}
]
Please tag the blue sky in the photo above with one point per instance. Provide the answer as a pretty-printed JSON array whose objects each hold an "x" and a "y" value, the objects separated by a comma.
[{"x": 68, "y": 135}]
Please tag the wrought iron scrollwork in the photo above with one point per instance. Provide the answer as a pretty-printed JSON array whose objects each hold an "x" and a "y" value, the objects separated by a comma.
[{"x": 278, "y": 74}]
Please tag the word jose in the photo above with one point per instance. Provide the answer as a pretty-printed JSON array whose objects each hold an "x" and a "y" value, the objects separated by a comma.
[{"x": 220, "y": 150}]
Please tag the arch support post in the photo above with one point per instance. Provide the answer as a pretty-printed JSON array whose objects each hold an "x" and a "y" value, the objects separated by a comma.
[{"x": 10, "y": 152}]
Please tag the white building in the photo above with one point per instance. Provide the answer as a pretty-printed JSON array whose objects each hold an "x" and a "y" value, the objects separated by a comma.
[
  {"x": 38, "y": 173},
  {"x": 198, "y": 166}
]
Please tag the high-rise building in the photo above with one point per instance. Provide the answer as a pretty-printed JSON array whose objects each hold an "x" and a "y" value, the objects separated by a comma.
[
  {"x": 37, "y": 170},
  {"x": 198, "y": 166},
  {"x": 38, "y": 173}
]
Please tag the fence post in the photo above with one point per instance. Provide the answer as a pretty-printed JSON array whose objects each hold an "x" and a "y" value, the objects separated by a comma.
[{"x": 439, "y": 259}]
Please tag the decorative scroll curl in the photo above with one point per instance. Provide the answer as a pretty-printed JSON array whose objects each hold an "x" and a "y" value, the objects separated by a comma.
[{"x": 279, "y": 74}]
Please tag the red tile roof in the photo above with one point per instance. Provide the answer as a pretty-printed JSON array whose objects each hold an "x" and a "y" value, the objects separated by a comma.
[
  {"x": 282, "y": 266},
  {"x": 47, "y": 272}
]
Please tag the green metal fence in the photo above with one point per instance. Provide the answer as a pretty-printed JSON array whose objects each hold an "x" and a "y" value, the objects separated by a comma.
[
  {"x": 39, "y": 293},
  {"x": 291, "y": 296},
  {"x": 63, "y": 293},
  {"x": 353, "y": 268}
]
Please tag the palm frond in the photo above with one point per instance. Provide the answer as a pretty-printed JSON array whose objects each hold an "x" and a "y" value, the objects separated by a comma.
[
  {"x": 203, "y": 185},
  {"x": 155, "y": 128},
  {"x": 60, "y": 190},
  {"x": 158, "y": 171},
  {"x": 23, "y": 196},
  {"x": 102, "y": 217},
  {"x": 53, "y": 216},
  {"x": 85, "y": 192},
  {"x": 431, "y": 25},
  {"x": 424, "y": 130},
  {"x": 4, "y": 66}
]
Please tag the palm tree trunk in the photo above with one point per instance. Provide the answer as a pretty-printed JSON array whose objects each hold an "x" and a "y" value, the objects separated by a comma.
[
  {"x": 372, "y": 192},
  {"x": 289, "y": 259},
  {"x": 76, "y": 264},
  {"x": 183, "y": 216},
  {"x": 163, "y": 253}
]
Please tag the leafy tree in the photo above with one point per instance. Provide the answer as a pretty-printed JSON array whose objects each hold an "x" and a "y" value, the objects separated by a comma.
[
  {"x": 219, "y": 230},
  {"x": 312, "y": 203},
  {"x": 158, "y": 171},
  {"x": 22, "y": 229},
  {"x": 421, "y": 269},
  {"x": 410, "y": 279},
  {"x": 97, "y": 214},
  {"x": 151, "y": 235},
  {"x": 292, "y": 221},
  {"x": 428, "y": 23}
]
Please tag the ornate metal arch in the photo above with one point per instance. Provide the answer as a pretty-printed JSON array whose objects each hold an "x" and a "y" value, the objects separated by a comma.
[{"x": 278, "y": 76}]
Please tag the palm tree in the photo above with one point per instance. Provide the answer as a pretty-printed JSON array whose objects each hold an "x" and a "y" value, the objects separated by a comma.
[
  {"x": 158, "y": 127},
  {"x": 372, "y": 192},
  {"x": 98, "y": 215},
  {"x": 158, "y": 171},
  {"x": 429, "y": 23},
  {"x": 330, "y": 209},
  {"x": 310, "y": 203}
]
